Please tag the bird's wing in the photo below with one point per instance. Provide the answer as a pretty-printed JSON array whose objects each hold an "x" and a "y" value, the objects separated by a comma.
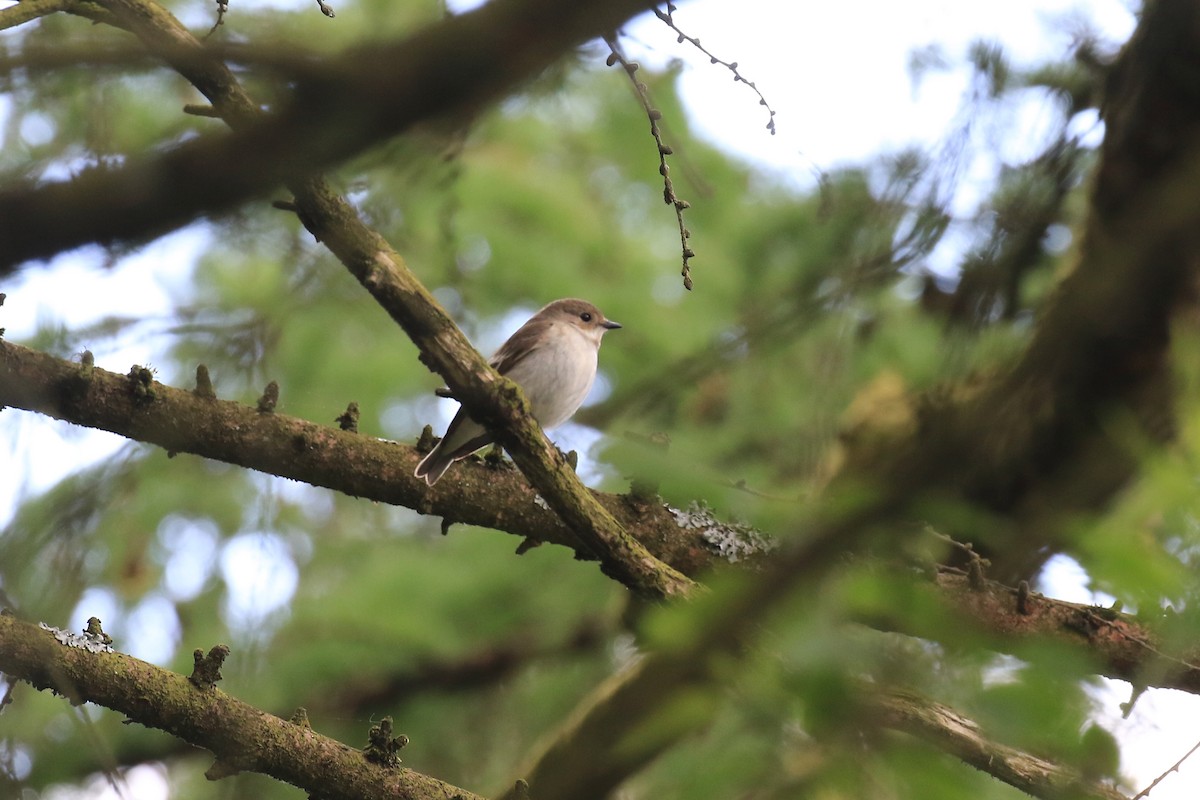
[
  {"x": 517, "y": 348},
  {"x": 470, "y": 446},
  {"x": 463, "y": 437}
]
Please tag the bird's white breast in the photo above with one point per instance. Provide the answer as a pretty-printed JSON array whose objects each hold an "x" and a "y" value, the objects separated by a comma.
[{"x": 558, "y": 376}]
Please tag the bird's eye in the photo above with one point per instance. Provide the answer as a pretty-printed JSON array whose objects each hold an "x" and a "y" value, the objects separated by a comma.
[{"x": 586, "y": 316}]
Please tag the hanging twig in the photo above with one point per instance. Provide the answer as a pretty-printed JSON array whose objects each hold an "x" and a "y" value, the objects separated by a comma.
[
  {"x": 664, "y": 150},
  {"x": 222, "y": 8},
  {"x": 732, "y": 66}
]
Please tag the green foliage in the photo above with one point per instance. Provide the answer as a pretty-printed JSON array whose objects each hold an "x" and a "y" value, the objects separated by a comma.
[{"x": 801, "y": 300}]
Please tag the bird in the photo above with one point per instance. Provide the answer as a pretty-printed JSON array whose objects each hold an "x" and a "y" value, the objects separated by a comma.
[{"x": 552, "y": 357}]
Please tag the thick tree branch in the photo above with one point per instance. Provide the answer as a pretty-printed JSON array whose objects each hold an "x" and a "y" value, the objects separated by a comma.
[
  {"x": 494, "y": 401},
  {"x": 487, "y": 666},
  {"x": 949, "y": 731},
  {"x": 1046, "y": 411},
  {"x": 242, "y": 737},
  {"x": 633, "y": 717},
  {"x": 1036, "y": 443},
  {"x": 478, "y": 494},
  {"x": 246, "y": 739},
  {"x": 357, "y": 100},
  {"x": 142, "y": 409},
  {"x": 29, "y": 10},
  {"x": 1028, "y": 442},
  {"x": 1120, "y": 645}
]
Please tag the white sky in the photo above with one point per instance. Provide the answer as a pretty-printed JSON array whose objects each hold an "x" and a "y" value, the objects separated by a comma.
[{"x": 836, "y": 74}]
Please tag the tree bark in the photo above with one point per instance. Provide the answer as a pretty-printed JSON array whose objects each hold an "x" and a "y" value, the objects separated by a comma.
[{"x": 242, "y": 737}]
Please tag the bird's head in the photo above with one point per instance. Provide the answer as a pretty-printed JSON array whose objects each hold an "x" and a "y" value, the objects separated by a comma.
[{"x": 579, "y": 314}]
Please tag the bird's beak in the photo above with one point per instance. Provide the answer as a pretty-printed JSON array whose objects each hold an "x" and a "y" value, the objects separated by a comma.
[{"x": 608, "y": 323}]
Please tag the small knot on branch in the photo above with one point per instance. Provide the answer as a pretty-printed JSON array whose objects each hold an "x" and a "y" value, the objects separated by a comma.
[
  {"x": 382, "y": 748},
  {"x": 206, "y": 671},
  {"x": 300, "y": 717},
  {"x": 494, "y": 457},
  {"x": 975, "y": 577},
  {"x": 643, "y": 489},
  {"x": 269, "y": 399},
  {"x": 1023, "y": 598},
  {"x": 204, "y": 388},
  {"x": 426, "y": 440},
  {"x": 141, "y": 384},
  {"x": 201, "y": 110},
  {"x": 96, "y": 632},
  {"x": 222, "y": 768},
  {"x": 527, "y": 544},
  {"x": 87, "y": 366},
  {"x": 348, "y": 421}
]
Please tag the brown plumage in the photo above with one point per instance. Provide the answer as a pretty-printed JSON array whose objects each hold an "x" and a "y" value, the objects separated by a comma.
[{"x": 552, "y": 357}]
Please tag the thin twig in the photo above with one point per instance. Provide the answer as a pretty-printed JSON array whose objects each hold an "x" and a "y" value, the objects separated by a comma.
[
  {"x": 222, "y": 7},
  {"x": 30, "y": 10},
  {"x": 1174, "y": 768},
  {"x": 654, "y": 115},
  {"x": 197, "y": 110},
  {"x": 732, "y": 66}
]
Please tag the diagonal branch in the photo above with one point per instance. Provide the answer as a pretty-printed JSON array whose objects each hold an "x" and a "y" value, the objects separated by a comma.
[
  {"x": 1038, "y": 442},
  {"x": 30, "y": 10},
  {"x": 1122, "y": 646},
  {"x": 359, "y": 99},
  {"x": 947, "y": 730},
  {"x": 242, "y": 737},
  {"x": 139, "y": 408},
  {"x": 1025, "y": 442},
  {"x": 492, "y": 400},
  {"x": 633, "y": 717},
  {"x": 1173, "y": 768},
  {"x": 1125, "y": 334}
]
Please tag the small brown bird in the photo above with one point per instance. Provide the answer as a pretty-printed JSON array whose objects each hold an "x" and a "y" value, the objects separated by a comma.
[{"x": 552, "y": 357}]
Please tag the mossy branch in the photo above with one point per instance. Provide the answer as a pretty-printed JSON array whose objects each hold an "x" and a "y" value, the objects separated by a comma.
[
  {"x": 494, "y": 401},
  {"x": 182, "y": 421},
  {"x": 361, "y": 99},
  {"x": 196, "y": 422},
  {"x": 243, "y": 738}
]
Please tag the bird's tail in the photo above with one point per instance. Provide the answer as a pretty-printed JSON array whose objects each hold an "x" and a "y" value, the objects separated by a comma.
[{"x": 434, "y": 465}]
